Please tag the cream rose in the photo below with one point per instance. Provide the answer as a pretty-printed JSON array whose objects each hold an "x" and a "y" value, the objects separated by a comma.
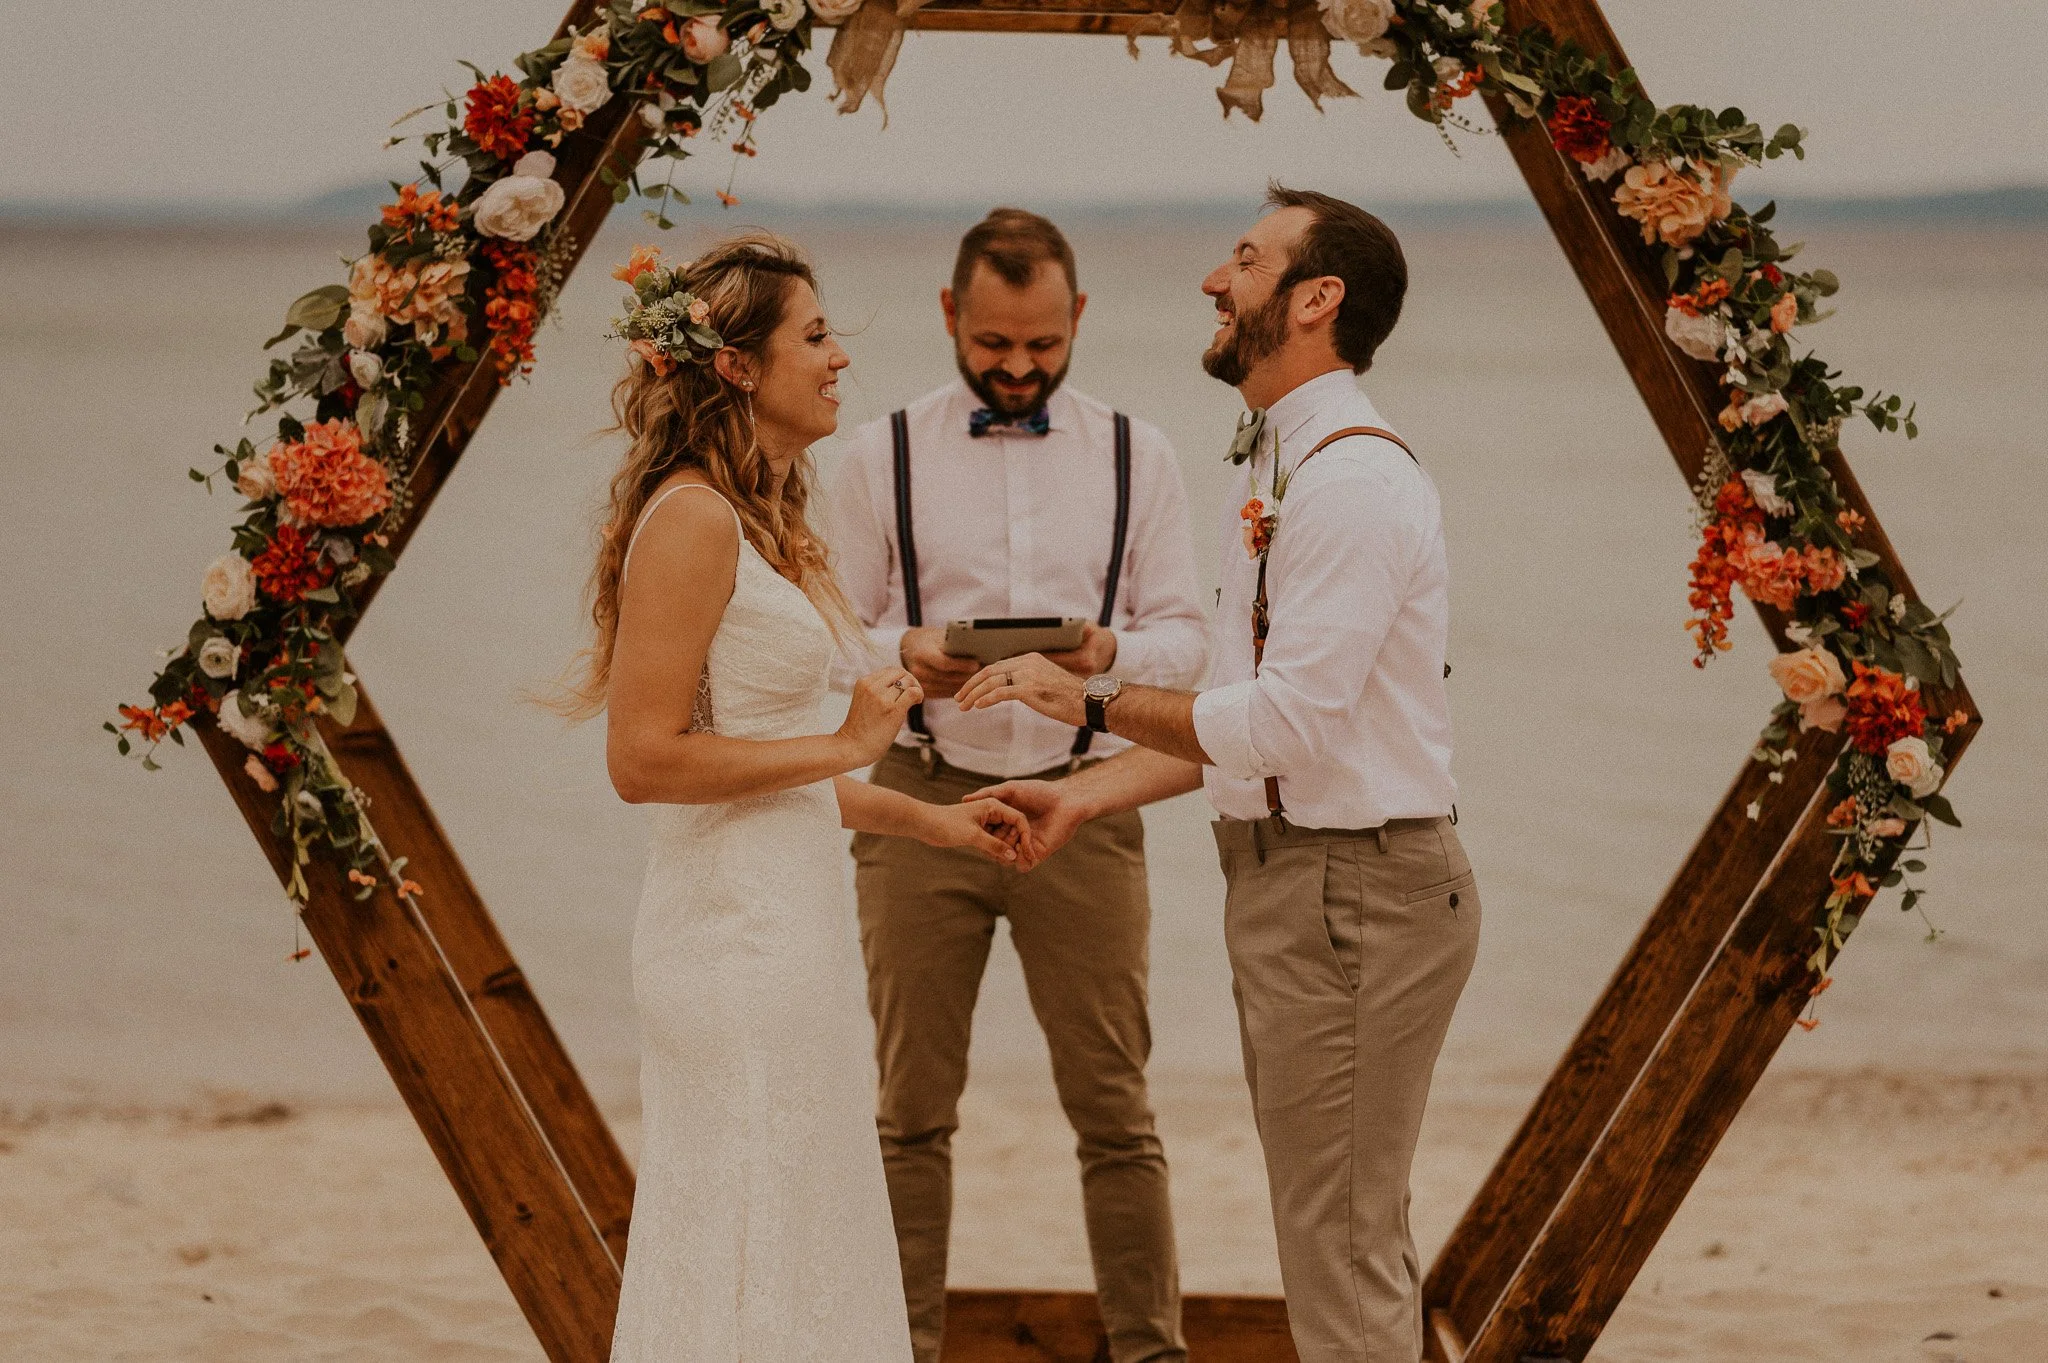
[
  {"x": 522, "y": 203},
  {"x": 251, "y": 731},
  {"x": 365, "y": 368},
  {"x": 835, "y": 11},
  {"x": 364, "y": 329},
  {"x": 1763, "y": 489},
  {"x": 1356, "y": 21},
  {"x": 1699, "y": 337},
  {"x": 582, "y": 84},
  {"x": 219, "y": 657},
  {"x": 1910, "y": 764},
  {"x": 1609, "y": 161},
  {"x": 229, "y": 588},
  {"x": 1762, "y": 408},
  {"x": 1808, "y": 675},
  {"x": 785, "y": 14},
  {"x": 705, "y": 39},
  {"x": 255, "y": 481}
]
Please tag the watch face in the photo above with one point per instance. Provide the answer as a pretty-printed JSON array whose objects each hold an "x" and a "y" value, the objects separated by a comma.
[{"x": 1101, "y": 688}]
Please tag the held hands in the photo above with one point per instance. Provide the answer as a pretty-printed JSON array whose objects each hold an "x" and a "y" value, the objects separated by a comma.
[
  {"x": 1053, "y": 816},
  {"x": 996, "y": 830},
  {"x": 1034, "y": 679},
  {"x": 881, "y": 699},
  {"x": 937, "y": 671}
]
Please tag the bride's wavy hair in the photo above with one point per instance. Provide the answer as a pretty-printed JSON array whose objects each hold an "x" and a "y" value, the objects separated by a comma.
[{"x": 690, "y": 418}]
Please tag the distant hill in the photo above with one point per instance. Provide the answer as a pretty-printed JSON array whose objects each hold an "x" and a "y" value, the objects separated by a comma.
[{"x": 2015, "y": 206}]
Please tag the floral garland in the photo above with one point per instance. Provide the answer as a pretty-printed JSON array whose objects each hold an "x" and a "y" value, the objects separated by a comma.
[
  {"x": 444, "y": 266},
  {"x": 453, "y": 275}
]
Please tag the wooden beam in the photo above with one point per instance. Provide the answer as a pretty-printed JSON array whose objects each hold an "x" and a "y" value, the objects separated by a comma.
[
  {"x": 497, "y": 990},
  {"x": 476, "y": 1119},
  {"x": 1619, "y": 1034},
  {"x": 1066, "y": 1327}
]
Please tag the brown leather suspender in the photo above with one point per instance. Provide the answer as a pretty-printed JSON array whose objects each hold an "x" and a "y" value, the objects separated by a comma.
[{"x": 1261, "y": 621}]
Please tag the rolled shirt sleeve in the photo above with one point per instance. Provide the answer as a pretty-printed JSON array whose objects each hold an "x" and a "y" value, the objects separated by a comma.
[{"x": 1336, "y": 577}]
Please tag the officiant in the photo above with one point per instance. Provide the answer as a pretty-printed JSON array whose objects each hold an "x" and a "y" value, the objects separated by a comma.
[{"x": 1007, "y": 493}]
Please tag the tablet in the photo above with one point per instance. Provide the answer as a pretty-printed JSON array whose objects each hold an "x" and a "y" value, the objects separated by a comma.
[{"x": 991, "y": 641}]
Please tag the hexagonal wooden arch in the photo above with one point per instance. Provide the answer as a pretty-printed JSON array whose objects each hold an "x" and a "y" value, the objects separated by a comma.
[{"x": 1561, "y": 1225}]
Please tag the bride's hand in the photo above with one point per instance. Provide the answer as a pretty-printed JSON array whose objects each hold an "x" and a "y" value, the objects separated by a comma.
[
  {"x": 989, "y": 827},
  {"x": 881, "y": 699}
]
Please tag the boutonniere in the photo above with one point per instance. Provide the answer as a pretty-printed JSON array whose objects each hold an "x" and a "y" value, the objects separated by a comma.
[{"x": 1259, "y": 525}]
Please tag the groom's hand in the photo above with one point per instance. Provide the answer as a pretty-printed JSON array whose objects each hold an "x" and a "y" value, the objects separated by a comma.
[
  {"x": 1034, "y": 679},
  {"x": 1053, "y": 817},
  {"x": 924, "y": 655}
]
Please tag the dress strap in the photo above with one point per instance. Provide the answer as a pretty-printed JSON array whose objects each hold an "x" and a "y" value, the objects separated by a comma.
[{"x": 655, "y": 505}]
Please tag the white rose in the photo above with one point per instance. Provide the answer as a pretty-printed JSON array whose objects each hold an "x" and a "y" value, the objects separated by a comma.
[
  {"x": 252, "y": 731},
  {"x": 1610, "y": 161},
  {"x": 582, "y": 85},
  {"x": 365, "y": 367},
  {"x": 835, "y": 11},
  {"x": 255, "y": 481},
  {"x": 785, "y": 14},
  {"x": 1910, "y": 764},
  {"x": 219, "y": 657},
  {"x": 364, "y": 329},
  {"x": 651, "y": 115},
  {"x": 1356, "y": 21},
  {"x": 1447, "y": 69},
  {"x": 1386, "y": 50},
  {"x": 1763, "y": 489},
  {"x": 1760, "y": 409},
  {"x": 517, "y": 206},
  {"x": 309, "y": 805},
  {"x": 229, "y": 588},
  {"x": 1699, "y": 337},
  {"x": 705, "y": 39}
]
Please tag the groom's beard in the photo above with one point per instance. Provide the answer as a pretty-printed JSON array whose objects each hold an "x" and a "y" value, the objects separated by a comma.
[
  {"x": 1257, "y": 334},
  {"x": 1008, "y": 408}
]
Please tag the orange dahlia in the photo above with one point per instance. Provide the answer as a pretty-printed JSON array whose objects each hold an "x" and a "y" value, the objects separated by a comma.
[
  {"x": 495, "y": 120},
  {"x": 325, "y": 477}
]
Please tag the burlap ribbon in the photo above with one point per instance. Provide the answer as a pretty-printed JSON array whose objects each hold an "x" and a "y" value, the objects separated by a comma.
[
  {"x": 864, "y": 52},
  {"x": 1246, "y": 33}
]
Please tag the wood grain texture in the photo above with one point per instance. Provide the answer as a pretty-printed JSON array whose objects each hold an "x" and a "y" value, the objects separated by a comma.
[
  {"x": 475, "y": 1118},
  {"x": 1065, "y": 1327},
  {"x": 483, "y": 966}
]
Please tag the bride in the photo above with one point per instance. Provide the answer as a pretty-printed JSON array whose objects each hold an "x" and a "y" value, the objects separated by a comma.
[{"x": 761, "y": 1228}]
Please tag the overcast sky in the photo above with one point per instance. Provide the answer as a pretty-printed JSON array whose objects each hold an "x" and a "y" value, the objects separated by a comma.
[{"x": 267, "y": 103}]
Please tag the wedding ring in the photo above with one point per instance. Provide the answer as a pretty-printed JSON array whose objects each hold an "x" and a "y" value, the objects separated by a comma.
[{"x": 1009, "y": 679}]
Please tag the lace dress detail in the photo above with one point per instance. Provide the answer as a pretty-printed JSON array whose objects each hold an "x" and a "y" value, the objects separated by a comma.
[{"x": 761, "y": 1226}]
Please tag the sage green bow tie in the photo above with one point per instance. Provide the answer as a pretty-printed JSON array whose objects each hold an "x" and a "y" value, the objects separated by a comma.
[{"x": 1250, "y": 427}]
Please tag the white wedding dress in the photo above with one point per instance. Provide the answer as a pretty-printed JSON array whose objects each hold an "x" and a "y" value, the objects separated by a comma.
[{"x": 761, "y": 1229}]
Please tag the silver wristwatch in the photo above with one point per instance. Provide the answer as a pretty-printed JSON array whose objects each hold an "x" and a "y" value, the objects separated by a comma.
[{"x": 1096, "y": 694}]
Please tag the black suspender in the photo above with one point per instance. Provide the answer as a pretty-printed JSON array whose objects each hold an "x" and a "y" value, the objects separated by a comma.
[{"x": 906, "y": 547}]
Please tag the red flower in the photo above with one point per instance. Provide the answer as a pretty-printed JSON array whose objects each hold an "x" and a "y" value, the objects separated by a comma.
[
  {"x": 1854, "y": 613},
  {"x": 1883, "y": 709},
  {"x": 1772, "y": 275},
  {"x": 495, "y": 121},
  {"x": 280, "y": 758},
  {"x": 1578, "y": 130},
  {"x": 510, "y": 310},
  {"x": 289, "y": 566}
]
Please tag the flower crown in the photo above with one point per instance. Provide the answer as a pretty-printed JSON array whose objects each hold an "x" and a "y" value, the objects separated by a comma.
[{"x": 664, "y": 323}]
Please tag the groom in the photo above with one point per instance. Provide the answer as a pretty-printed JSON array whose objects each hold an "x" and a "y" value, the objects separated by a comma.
[{"x": 1324, "y": 744}]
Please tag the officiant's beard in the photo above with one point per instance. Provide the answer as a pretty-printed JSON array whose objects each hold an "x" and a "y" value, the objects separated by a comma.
[
  {"x": 1009, "y": 408},
  {"x": 1258, "y": 334}
]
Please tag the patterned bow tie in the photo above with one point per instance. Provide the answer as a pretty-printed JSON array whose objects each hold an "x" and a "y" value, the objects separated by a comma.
[
  {"x": 1250, "y": 427},
  {"x": 983, "y": 422}
]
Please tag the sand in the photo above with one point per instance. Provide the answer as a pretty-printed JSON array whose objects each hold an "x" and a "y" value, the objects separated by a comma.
[{"x": 1874, "y": 1216}]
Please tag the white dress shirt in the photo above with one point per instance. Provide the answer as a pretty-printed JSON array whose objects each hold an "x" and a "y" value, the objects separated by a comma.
[
  {"x": 1019, "y": 525},
  {"x": 1348, "y": 708}
]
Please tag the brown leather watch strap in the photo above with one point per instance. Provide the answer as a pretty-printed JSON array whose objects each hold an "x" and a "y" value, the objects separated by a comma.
[{"x": 1261, "y": 618}]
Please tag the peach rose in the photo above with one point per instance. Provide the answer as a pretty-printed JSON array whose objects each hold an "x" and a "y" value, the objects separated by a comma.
[
  {"x": 582, "y": 84},
  {"x": 1825, "y": 714},
  {"x": 364, "y": 329},
  {"x": 1673, "y": 206},
  {"x": 593, "y": 46},
  {"x": 1762, "y": 408},
  {"x": 260, "y": 774},
  {"x": 705, "y": 39},
  {"x": 255, "y": 481},
  {"x": 1784, "y": 312},
  {"x": 229, "y": 588},
  {"x": 1893, "y": 827},
  {"x": 1908, "y": 762},
  {"x": 1808, "y": 674}
]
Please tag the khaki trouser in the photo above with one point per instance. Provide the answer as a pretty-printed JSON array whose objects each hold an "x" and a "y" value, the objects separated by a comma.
[
  {"x": 1348, "y": 950},
  {"x": 1080, "y": 923}
]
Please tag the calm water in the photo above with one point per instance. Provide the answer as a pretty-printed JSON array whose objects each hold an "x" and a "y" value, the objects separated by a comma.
[{"x": 145, "y": 942}]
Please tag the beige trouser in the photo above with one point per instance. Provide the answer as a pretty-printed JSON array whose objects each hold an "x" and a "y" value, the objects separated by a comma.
[
  {"x": 1080, "y": 924},
  {"x": 1348, "y": 950}
]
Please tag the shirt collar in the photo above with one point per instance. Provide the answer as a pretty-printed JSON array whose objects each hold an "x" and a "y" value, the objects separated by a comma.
[{"x": 1300, "y": 404}]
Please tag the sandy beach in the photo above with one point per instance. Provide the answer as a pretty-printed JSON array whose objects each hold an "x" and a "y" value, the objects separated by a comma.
[{"x": 1871, "y": 1217}]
